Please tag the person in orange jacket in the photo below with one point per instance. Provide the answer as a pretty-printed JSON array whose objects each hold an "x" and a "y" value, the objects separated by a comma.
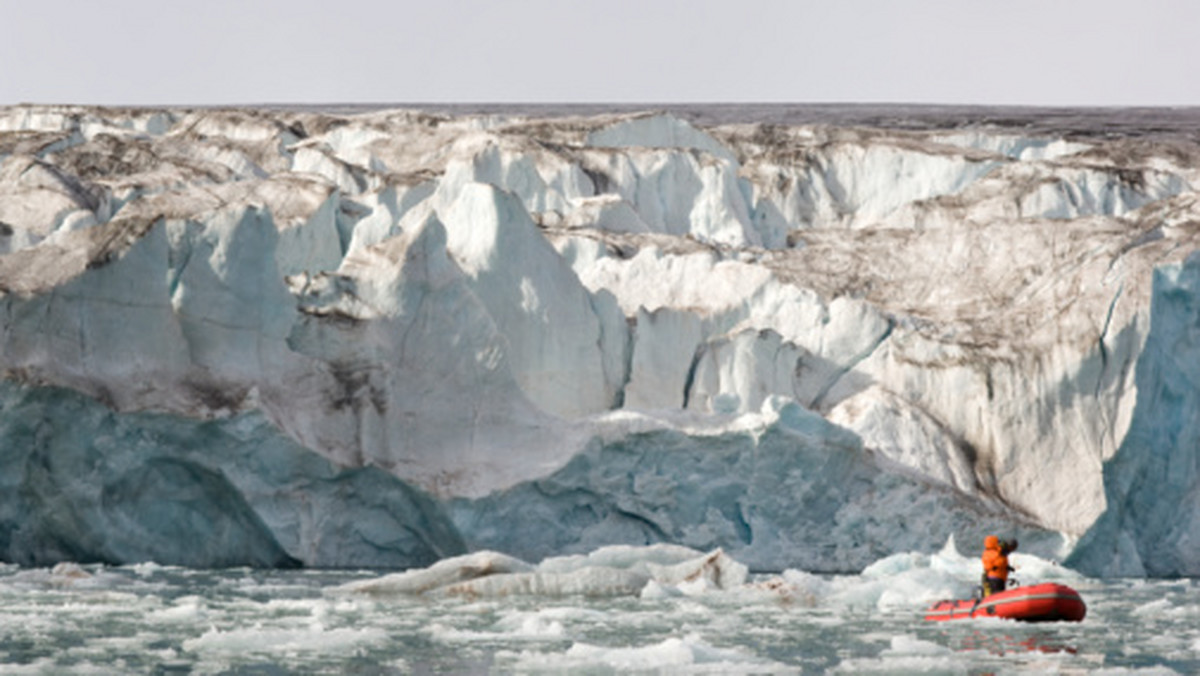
[{"x": 995, "y": 564}]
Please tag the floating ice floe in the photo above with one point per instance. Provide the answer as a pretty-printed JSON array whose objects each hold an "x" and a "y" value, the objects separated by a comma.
[
  {"x": 661, "y": 572},
  {"x": 615, "y": 571},
  {"x": 690, "y": 654}
]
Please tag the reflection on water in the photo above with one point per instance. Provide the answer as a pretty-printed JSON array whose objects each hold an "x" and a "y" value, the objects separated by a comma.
[{"x": 1003, "y": 644}]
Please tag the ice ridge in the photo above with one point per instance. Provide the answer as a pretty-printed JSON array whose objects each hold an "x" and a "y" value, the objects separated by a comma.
[{"x": 389, "y": 336}]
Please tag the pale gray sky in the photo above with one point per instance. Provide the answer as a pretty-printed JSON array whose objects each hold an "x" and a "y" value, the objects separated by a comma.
[{"x": 1034, "y": 52}]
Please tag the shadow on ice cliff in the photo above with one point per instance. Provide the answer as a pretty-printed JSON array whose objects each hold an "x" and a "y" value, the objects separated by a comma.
[{"x": 385, "y": 338}]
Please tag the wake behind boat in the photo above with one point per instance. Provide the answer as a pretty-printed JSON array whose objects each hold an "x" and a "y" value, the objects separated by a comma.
[{"x": 1046, "y": 602}]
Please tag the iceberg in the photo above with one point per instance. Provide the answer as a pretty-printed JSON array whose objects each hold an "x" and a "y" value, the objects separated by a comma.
[
  {"x": 605, "y": 572},
  {"x": 899, "y": 581},
  {"x": 391, "y": 337}
]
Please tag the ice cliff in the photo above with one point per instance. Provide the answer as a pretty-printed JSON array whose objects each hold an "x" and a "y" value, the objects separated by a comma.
[{"x": 385, "y": 338}]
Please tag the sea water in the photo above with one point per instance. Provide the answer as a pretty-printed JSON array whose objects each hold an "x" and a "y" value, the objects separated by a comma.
[{"x": 166, "y": 620}]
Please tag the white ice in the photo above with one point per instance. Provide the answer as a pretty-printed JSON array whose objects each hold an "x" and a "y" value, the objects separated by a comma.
[
  {"x": 612, "y": 571},
  {"x": 908, "y": 580},
  {"x": 689, "y": 654},
  {"x": 471, "y": 304}
]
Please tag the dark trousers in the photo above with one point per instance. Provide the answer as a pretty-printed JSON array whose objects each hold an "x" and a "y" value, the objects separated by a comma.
[{"x": 993, "y": 585}]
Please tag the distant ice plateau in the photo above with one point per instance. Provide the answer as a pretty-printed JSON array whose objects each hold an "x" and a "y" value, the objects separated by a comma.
[{"x": 383, "y": 338}]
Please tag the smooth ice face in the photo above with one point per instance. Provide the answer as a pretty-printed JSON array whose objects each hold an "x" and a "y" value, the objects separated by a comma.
[
  {"x": 1153, "y": 482},
  {"x": 83, "y": 484},
  {"x": 776, "y": 489},
  {"x": 804, "y": 345}
]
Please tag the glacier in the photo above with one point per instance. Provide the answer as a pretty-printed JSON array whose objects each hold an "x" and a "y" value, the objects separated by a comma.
[{"x": 385, "y": 337}]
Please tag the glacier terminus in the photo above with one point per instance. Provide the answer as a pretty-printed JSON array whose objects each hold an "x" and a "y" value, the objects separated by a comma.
[{"x": 387, "y": 337}]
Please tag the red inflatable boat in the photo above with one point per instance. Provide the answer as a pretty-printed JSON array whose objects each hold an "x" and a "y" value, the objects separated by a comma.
[{"x": 1036, "y": 603}]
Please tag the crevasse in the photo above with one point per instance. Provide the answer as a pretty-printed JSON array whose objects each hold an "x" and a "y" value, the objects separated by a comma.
[{"x": 808, "y": 345}]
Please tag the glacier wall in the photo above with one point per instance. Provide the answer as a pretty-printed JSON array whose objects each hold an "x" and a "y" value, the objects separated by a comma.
[
  {"x": 792, "y": 487},
  {"x": 1153, "y": 482},
  {"x": 413, "y": 334},
  {"x": 82, "y": 483}
]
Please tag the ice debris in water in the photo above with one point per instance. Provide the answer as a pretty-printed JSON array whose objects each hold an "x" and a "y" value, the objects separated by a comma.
[
  {"x": 691, "y": 654},
  {"x": 315, "y": 638},
  {"x": 610, "y": 571},
  {"x": 655, "y": 572},
  {"x": 904, "y": 580},
  {"x": 441, "y": 574}
]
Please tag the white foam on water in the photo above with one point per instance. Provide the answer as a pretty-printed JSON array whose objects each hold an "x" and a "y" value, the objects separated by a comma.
[
  {"x": 260, "y": 639},
  {"x": 183, "y": 610},
  {"x": 314, "y": 607},
  {"x": 533, "y": 626},
  {"x": 447, "y": 634},
  {"x": 529, "y": 627},
  {"x": 149, "y": 568},
  {"x": 911, "y": 645},
  {"x": 1168, "y": 609},
  {"x": 564, "y": 614},
  {"x": 1164, "y": 644},
  {"x": 909, "y": 654},
  {"x": 109, "y": 651},
  {"x": 689, "y": 654},
  {"x": 546, "y": 624},
  {"x": 1154, "y": 608},
  {"x": 51, "y": 666}
]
